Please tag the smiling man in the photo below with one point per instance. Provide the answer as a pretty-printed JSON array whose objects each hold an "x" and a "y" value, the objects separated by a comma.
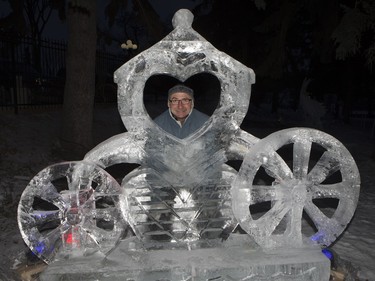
[{"x": 181, "y": 119}]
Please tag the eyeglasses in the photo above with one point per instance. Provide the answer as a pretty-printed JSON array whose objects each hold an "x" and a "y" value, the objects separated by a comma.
[{"x": 183, "y": 101}]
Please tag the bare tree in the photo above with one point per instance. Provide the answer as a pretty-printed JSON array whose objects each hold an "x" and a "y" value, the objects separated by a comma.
[
  {"x": 14, "y": 22},
  {"x": 30, "y": 17},
  {"x": 142, "y": 17},
  {"x": 79, "y": 91},
  {"x": 38, "y": 13}
]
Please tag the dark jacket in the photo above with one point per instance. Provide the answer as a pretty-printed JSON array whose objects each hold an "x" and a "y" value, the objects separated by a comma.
[{"x": 192, "y": 123}]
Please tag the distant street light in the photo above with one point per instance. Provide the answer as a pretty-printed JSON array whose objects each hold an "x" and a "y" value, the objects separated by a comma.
[{"x": 129, "y": 45}]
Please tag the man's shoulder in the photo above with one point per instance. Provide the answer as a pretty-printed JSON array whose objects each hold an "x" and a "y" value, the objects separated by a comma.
[
  {"x": 162, "y": 117},
  {"x": 200, "y": 114}
]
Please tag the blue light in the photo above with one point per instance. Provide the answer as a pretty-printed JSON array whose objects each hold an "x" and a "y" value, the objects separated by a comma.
[
  {"x": 317, "y": 237},
  {"x": 327, "y": 253},
  {"x": 40, "y": 247}
]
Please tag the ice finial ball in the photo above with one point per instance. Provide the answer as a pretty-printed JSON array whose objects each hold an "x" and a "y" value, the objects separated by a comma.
[{"x": 182, "y": 18}]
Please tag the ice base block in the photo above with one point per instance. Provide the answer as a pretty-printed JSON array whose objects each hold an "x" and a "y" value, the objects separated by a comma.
[{"x": 235, "y": 259}]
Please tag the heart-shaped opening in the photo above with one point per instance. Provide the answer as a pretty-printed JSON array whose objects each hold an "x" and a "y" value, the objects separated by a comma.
[{"x": 206, "y": 92}]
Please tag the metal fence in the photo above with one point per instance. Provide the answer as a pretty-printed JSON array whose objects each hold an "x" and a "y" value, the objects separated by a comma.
[{"x": 32, "y": 74}]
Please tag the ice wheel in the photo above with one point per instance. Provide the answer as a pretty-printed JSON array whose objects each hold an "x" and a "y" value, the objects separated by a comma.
[
  {"x": 296, "y": 186},
  {"x": 68, "y": 209}
]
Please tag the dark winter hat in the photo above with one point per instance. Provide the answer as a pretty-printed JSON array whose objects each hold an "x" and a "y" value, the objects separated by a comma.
[{"x": 181, "y": 89}]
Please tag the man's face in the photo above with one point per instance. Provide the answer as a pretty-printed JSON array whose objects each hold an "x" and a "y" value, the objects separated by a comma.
[{"x": 181, "y": 105}]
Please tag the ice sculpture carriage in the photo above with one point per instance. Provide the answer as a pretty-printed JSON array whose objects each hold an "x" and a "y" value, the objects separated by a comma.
[{"x": 184, "y": 196}]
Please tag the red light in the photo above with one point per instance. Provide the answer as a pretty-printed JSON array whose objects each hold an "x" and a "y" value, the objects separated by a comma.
[{"x": 69, "y": 238}]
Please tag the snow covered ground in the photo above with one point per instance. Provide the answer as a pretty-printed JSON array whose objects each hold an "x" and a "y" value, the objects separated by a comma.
[{"x": 29, "y": 143}]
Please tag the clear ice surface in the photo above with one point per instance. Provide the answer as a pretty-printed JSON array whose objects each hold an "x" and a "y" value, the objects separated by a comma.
[
  {"x": 311, "y": 189},
  {"x": 237, "y": 258},
  {"x": 70, "y": 209},
  {"x": 295, "y": 188},
  {"x": 181, "y": 191}
]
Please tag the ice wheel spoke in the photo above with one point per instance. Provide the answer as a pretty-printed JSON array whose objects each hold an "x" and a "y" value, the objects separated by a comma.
[
  {"x": 105, "y": 213},
  {"x": 76, "y": 180},
  {"x": 327, "y": 165},
  {"x": 45, "y": 218},
  {"x": 46, "y": 244},
  {"x": 316, "y": 215},
  {"x": 337, "y": 190},
  {"x": 276, "y": 167},
  {"x": 49, "y": 193},
  {"x": 301, "y": 157},
  {"x": 268, "y": 223},
  {"x": 328, "y": 228},
  {"x": 293, "y": 228},
  {"x": 260, "y": 193}
]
